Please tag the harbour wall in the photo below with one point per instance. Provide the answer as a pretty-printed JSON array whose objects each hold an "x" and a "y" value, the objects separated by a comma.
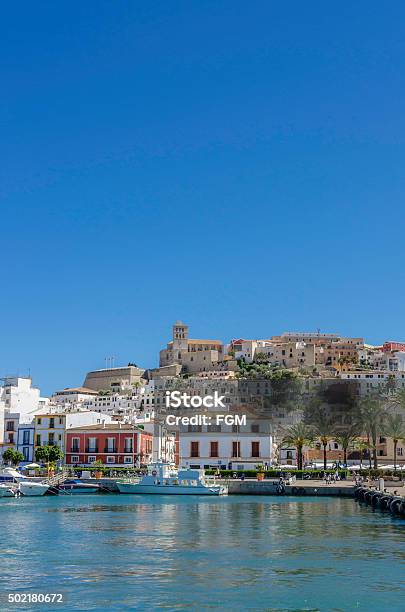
[{"x": 266, "y": 487}]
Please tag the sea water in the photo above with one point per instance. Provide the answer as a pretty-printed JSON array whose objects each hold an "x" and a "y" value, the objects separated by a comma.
[{"x": 123, "y": 552}]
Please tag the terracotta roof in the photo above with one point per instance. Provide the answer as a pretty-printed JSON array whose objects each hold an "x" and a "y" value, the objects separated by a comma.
[{"x": 204, "y": 341}]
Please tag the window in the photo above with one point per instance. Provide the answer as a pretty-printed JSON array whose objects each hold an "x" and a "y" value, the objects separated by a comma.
[
  {"x": 214, "y": 449},
  {"x": 38, "y": 440},
  {"x": 236, "y": 449},
  {"x": 254, "y": 428},
  {"x": 194, "y": 449},
  {"x": 52, "y": 423},
  {"x": 128, "y": 445},
  {"x": 39, "y": 421},
  {"x": 11, "y": 438},
  {"x": 75, "y": 459},
  {"x": 10, "y": 425},
  {"x": 91, "y": 458},
  {"x": 51, "y": 440},
  {"x": 26, "y": 437},
  {"x": 214, "y": 428},
  {"x": 26, "y": 452},
  {"x": 127, "y": 459},
  {"x": 110, "y": 446},
  {"x": 235, "y": 428},
  {"x": 194, "y": 428},
  {"x": 110, "y": 459},
  {"x": 75, "y": 445},
  {"x": 60, "y": 420},
  {"x": 255, "y": 449},
  {"x": 92, "y": 446}
]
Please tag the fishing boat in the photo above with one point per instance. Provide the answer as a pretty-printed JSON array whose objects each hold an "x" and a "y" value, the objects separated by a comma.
[
  {"x": 7, "y": 490},
  {"x": 166, "y": 479},
  {"x": 78, "y": 487}
]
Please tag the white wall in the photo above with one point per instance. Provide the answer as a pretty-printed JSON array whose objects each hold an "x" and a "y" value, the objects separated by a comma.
[{"x": 224, "y": 448}]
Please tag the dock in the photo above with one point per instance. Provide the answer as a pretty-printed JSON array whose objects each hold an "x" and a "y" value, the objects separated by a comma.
[{"x": 267, "y": 487}]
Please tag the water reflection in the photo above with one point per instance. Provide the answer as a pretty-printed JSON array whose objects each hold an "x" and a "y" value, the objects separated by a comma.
[{"x": 235, "y": 552}]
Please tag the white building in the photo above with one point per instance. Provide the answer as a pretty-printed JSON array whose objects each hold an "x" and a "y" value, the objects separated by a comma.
[
  {"x": 51, "y": 426},
  {"x": 74, "y": 395},
  {"x": 226, "y": 446},
  {"x": 17, "y": 394}
]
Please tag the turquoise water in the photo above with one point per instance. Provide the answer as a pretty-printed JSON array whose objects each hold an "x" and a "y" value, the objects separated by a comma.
[{"x": 117, "y": 552}]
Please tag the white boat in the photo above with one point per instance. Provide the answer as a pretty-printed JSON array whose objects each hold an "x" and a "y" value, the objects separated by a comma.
[
  {"x": 7, "y": 490},
  {"x": 166, "y": 479},
  {"x": 24, "y": 485},
  {"x": 29, "y": 488}
]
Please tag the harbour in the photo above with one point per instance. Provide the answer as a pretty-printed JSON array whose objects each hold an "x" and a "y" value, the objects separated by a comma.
[{"x": 230, "y": 552}]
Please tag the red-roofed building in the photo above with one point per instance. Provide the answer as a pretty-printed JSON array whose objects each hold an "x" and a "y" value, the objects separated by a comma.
[
  {"x": 115, "y": 444},
  {"x": 393, "y": 346}
]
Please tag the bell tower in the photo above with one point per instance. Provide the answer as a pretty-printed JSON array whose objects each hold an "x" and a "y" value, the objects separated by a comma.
[{"x": 180, "y": 336}]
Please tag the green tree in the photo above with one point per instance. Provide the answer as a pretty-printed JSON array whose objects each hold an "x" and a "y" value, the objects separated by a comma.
[
  {"x": 373, "y": 417},
  {"x": 298, "y": 436},
  {"x": 13, "y": 456},
  {"x": 362, "y": 445},
  {"x": 48, "y": 454},
  {"x": 322, "y": 424},
  {"x": 346, "y": 437},
  {"x": 394, "y": 428}
]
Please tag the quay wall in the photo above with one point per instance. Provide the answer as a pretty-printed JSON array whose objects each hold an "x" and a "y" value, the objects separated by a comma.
[{"x": 267, "y": 487}]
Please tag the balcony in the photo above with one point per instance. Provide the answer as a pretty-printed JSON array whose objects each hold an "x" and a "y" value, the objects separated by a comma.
[
  {"x": 91, "y": 449},
  {"x": 110, "y": 450}
]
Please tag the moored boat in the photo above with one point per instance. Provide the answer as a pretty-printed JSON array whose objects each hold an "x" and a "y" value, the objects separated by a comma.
[
  {"x": 78, "y": 487},
  {"x": 7, "y": 490},
  {"x": 166, "y": 479},
  {"x": 23, "y": 485},
  {"x": 29, "y": 488}
]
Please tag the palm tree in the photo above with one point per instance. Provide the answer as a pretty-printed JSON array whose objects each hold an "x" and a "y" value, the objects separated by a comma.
[
  {"x": 397, "y": 400},
  {"x": 298, "y": 435},
  {"x": 323, "y": 426},
  {"x": 373, "y": 417},
  {"x": 347, "y": 437},
  {"x": 324, "y": 430},
  {"x": 361, "y": 445},
  {"x": 395, "y": 428}
]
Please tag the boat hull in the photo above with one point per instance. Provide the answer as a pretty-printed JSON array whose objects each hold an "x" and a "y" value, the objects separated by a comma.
[
  {"x": 30, "y": 489},
  {"x": 7, "y": 492},
  {"x": 169, "y": 490},
  {"x": 77, "y": 490}
]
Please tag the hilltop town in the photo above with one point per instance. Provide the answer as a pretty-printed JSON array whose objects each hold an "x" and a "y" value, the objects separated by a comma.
[{"x": 118, "y": 415}]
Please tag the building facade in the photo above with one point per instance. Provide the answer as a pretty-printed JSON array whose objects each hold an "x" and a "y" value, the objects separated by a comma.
[
  {"x": 115, "y": 444},
  {"x": 226, "y": 446},
  {"x": 51, "y": 427},
  {"x": 25, "y": 441}
]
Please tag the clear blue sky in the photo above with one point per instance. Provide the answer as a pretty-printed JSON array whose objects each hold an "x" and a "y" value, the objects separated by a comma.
[{"x": 236, "y": 165}]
